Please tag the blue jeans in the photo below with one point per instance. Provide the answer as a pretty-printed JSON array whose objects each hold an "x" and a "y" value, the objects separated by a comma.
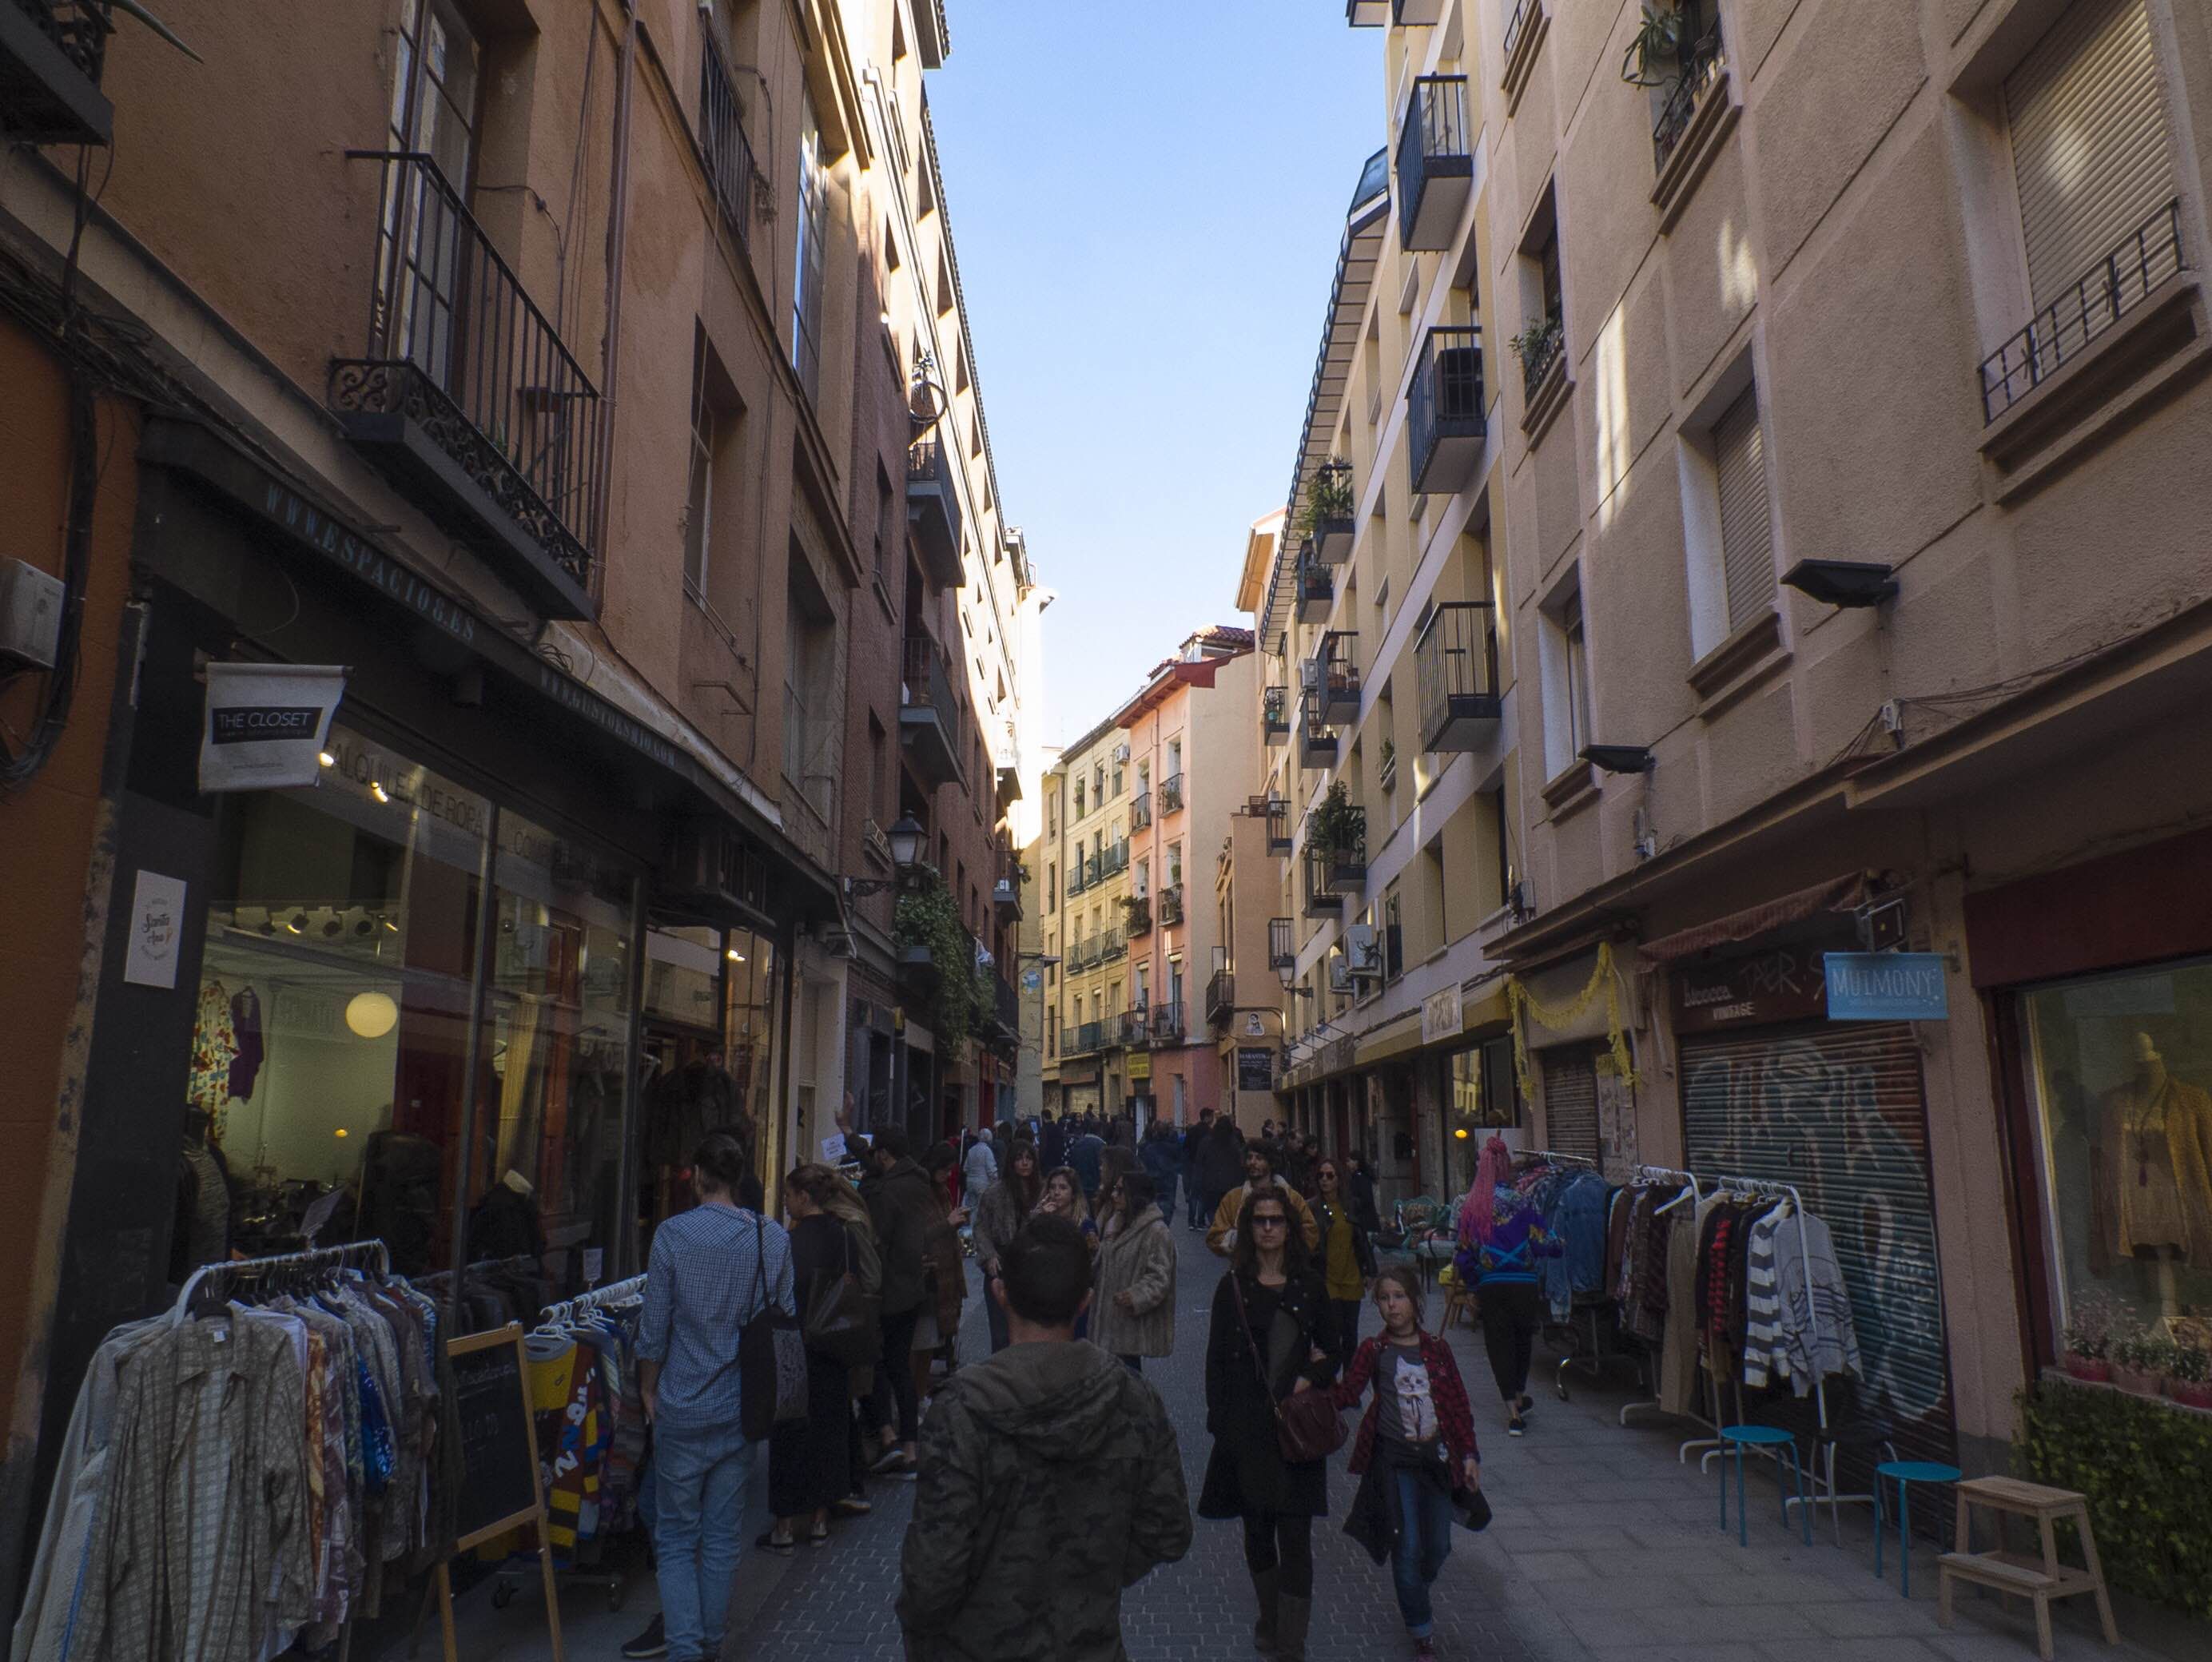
[
  {"x": 699, "y": 1514},
  {"x": 1423, "y": 1543},
  {"x": 1197, "y": 1204},
  {"x": 1166, "y": 1196}
]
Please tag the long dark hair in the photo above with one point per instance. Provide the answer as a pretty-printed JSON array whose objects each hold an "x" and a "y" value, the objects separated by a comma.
[
  {"x": 1246, "y": 1258},
  {"x": 1027, "y": 1191}
]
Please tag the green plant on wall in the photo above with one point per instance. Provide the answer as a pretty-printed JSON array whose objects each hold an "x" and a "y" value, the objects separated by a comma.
[
  {"x": 928, "y": 917},
  {"x": 1654, "y": 57},
  {"x": 1537, "y": 341},
  {"x": 2141, "y": 1464},
  {"x": 1329, "y": 496},
  {"x": 1337, "y": 825}
]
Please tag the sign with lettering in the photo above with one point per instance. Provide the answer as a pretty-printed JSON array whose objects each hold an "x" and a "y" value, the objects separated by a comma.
[
  {"x": 1782, "y": 984},
  {"x": 1256, "y": 1069},
  {"x": 266, "y": 724},
  {"x": 1886, "y": 987},
  {"x": 157, "y": 924},
  {"x": 1441, "y": 1017}
]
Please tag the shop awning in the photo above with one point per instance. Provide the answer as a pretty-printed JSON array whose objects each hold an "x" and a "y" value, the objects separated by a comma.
[{"x": 1843, "y": 894}]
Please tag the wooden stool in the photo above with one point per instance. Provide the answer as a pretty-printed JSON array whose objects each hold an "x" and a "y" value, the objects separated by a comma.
[
  {"x": 2017, "y": 1574},
  {"x": 1459, "y": 1300}
]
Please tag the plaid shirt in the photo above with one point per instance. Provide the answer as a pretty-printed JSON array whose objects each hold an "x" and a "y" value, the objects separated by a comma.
[
  {"x": 1455, "y": 1420},
  {"x": 705, "y": 1280}
]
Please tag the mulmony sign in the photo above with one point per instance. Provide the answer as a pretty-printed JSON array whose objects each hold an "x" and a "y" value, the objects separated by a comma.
[
  {"x": 267, "y": 723},
  {"x": 1886, "y": 987}
]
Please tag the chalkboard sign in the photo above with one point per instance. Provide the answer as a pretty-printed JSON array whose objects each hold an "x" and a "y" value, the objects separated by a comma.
[
  {"x": 499, "y": 1451},
  {"x": 1256, "y": 1069}
]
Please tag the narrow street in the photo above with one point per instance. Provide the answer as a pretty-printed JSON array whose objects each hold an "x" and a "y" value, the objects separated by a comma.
[{"x": 1605, "y": 1548}]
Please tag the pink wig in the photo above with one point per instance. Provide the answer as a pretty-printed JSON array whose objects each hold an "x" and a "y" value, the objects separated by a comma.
[{"x": 1477, "y": 1218}]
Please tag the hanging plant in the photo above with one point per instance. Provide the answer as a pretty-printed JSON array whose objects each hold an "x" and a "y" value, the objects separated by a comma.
[
  {"x": 1328, "y": 496},
  {"x": 1337, "y": 825},
  {"x": 1654, "y": 57},
  {"x": 928, "y": 917}
]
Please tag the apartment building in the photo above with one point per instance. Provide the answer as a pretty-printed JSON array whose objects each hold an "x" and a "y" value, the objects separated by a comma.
[
  {"x": 564, "y": 423},
  {"x": 1817, "y": 393},
  {"x": 1088, "y": 795}
]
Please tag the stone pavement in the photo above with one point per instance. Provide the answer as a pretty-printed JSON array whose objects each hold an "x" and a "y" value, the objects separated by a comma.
[{"x": 1605, "y": 1549}]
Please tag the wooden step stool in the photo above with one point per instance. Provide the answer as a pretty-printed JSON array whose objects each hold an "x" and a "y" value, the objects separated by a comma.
[{"x": 2017, "y": 1574}]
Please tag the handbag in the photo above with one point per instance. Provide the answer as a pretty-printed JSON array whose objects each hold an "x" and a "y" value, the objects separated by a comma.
[
  {"x": 841, "y": 1319},
  {"x": 771, "y": 1359},
  {"x": 1307, "y": 1426},
  {"x": 1470, "y": 1509}
]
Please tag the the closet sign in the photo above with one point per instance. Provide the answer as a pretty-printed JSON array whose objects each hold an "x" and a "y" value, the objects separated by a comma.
[{"x": 267, "y": 723}]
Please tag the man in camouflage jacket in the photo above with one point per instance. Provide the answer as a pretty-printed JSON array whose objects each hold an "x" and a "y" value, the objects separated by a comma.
[{"x": 1050, "y": 1481}]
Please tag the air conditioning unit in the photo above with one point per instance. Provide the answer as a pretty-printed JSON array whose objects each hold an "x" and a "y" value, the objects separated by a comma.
[
  {"x": 1309, "y": 674},
  {"x": 1340, "y": 975},
  {"x": 1120, "y": 753},
  {"x": 1362, "y": 951}
]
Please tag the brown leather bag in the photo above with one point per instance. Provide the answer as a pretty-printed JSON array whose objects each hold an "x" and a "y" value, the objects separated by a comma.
[{"x": 1307, "y": 1426}]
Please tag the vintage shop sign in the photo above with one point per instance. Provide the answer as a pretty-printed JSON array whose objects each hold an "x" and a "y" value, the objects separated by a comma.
[
  {"x": 1886, "y": 987},
  {"x": 266, "y": 724}
]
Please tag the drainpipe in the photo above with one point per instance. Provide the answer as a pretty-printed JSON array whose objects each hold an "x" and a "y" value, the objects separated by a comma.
[{"x": 618, "y": 238}]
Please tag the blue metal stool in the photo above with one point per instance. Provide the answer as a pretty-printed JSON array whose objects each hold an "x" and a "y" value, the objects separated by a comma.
[
  {"x": 1906, "y": 1473},
  {"x": 1736, "y": 1437}
]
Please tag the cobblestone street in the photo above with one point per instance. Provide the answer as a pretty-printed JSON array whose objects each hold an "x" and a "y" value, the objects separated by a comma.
[{"x": 1605, "y": 1548}]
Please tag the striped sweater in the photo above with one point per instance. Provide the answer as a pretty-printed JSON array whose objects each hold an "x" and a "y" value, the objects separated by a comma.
[{"x": 1798, "y": 1324}]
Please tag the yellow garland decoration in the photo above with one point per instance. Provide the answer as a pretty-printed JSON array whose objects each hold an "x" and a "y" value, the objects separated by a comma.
[{"x": 1527, "y": 1008}]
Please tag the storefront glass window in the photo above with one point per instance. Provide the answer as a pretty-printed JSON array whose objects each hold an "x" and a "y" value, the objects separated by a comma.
[
  {"x": 2120, "y": 1068},
  {"x": 1479, "y": 1084},
  {"x": 711, "y": 1015}
]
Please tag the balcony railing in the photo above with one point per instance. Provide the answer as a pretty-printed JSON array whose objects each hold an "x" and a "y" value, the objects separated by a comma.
[
  {"x": 1075, "y": 884},
  {"x": 928, "y": 715},
  {"x": 1347, "y": 856},
  {"x": 1130, "y": 1027},
  {"x": 1317, "y": 740},
  {"x": 1702, "y": 62},
  {"x": 1282, "y": 945},
  {"x": 1333, "y": 676},
  {"x": 1277, "y": 812},
  {"x": 1164, "y": 1026},
  {"x": 1275, "y": 714},
  {"x": 1116, "y": 859},
  {"x": 2057, "y": 335},
  {"x": 1171, "y": 795},
  {"x": 1524, "y": 15},
  {"x": 1436, "y": 162},
  {"x": 1457, "y": 660},
  {"x": 1221, "y": 998},
  {"x": 1137, "y": 915},
  {"x": 1552, "y": 342},
  {"x": 723, "y": 146},
  {"x": 1006, "y": 1004},
  {"x": 1444, "y": 422},
  {"x": 1112, "y": 943},
  {"x": 466, "y": 394},
  {"x": 1316, "y": 591},
  {"x": 1084, "y": 1038},
  {"x": 932, "y": 509},
  {"x": 1140, "y": 811},
  {"x": 1321, "y": 900},
  {"x": 51, "y": 56},
  {"x": 1170, "y": 905}
]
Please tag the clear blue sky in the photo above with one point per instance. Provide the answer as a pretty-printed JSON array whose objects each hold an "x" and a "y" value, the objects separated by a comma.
[{"x": 1147, "y": 200}]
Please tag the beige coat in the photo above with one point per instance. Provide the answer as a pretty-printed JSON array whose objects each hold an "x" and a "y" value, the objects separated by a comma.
[{"x": 1138, "y": 1260}]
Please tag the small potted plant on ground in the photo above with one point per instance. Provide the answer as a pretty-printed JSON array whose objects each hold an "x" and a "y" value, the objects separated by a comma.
[
  {"x": 2189, "y": 1376},
  {"x": 2089, "y": 1339}
]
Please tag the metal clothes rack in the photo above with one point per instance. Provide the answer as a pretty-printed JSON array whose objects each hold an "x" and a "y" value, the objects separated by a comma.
[
  {"x": 1593, "y": 1360},
  {"x": 220, "y": 1275},
  {"x": 1649, "y": 1177},
  {"x": 612, "y": 1295}
]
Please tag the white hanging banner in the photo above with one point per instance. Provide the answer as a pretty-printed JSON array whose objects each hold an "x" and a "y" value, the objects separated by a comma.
[{"x": 267, "y": 723}]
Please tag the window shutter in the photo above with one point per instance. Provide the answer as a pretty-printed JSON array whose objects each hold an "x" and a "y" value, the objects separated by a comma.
[
  {"x": 2089, "y": 144},
  {"x": 1747, "y": 526}
]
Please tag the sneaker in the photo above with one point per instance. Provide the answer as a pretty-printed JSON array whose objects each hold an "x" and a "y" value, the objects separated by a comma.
[
  {"x": 852, "y": 1506},
  {"x": 653, "y": 1642},
  {"x": 767, "y": 1542},
  {"x": 1525, "y": 1404},
  {"x": 1425, "y": 1650},
  {"x": 1516, "y": 1427},
  {"x": 889, "y": 1461},
  {"x": 818, "y": 1537}
]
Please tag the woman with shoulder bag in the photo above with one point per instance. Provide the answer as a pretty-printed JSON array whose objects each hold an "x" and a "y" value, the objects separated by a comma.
[
  {"x": 1273, "y": 1338},
  {"x": 810, "y": 1460}
]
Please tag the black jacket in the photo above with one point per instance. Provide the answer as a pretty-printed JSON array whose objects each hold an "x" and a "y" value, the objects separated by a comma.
[
  {"x": 1220, "y": 1161},
  {"x": 904, "y": 1209},
  {"x": 1247, "y": 1475}
]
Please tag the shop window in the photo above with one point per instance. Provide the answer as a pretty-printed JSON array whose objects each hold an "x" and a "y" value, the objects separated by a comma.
[
  {"x": 1480, "y": 1085},
  {"x": 2120, "y": 1071}
]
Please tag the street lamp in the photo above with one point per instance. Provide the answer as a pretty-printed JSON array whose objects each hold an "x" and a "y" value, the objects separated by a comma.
[{"x": 906, "y": 838}]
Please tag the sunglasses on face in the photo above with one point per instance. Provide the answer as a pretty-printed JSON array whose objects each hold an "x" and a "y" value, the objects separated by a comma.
[{"x": 1269, "y": 1222}]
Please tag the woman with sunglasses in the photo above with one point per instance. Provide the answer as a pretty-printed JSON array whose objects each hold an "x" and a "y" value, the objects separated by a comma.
[
  {"x": 1347, "y": 1256},
  {"x": 1273, "y": 1334}
]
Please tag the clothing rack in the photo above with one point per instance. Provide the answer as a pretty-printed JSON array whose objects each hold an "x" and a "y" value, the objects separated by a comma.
[
  {"x": 1556, "y": 1158},
  {"x": 629, "y": 1291},
  {"x": 1647, "y": 1177},
  {"x": 315, "y": 1258},
  {"x": 1592, "y": 1361}
]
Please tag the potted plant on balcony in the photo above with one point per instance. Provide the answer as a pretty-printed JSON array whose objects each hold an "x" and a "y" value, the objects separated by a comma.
[
  {"x": 1657, "y": 50},
  {"x": 1328, "y": 506},
  {"x": 1335, "y": 828},
  {"x": 928, "y": 918},
  {"x": 2089, "y": 1340},
  {"x": 1534, "y": 345}
]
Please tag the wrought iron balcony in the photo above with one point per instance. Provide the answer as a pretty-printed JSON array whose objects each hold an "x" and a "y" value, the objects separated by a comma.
[
  {"x": 2107, "y": 292},
  {"x": 1551, "y": 344},
  {"x": 1115, "y": 859},
  {"x": 1282, "y": 945},
  {"x": 1701, "y": 64},
  {"x": 1316, "y": 740},
  {"x": 723, "y": 146},
  {"x": 1164, "y": 1026},
  {"x": 1140, "y": 811},
  {"x": 929, "y": 714},
  {"x": 1088, "y": 1038},
  {"x": 1329, "y": 496},
  {"x": 1322, "y": 901},
  {"x": 51, "y": 56},
  {"x": 1436, "y": 162},
  {"x": 932, "y": 510},
  {"x": 1316, "y": 591},
  {"x": 1275, "y": 715},
  {"x": 1221, "y": 998},
  {"x": 1278, "y": 814},
  {"x": 1456, "y": 661},
  {"x": 1006, "y": 1004},
  {"x": 1347, "y": 855},
  {"x": 1444, "y": 421},
  {"x": 1137, "y": 915},
  {"x": 1170, "y": 905},
  {"x": 1171, "y": 795},
  {"x": 466, "y": 395},
  {"x": 1075, "y": 884},
  {"x": 1112, "y": 943},
  {"x": 1006, "y": 892},
  {"x": 1333, "y": 678}
]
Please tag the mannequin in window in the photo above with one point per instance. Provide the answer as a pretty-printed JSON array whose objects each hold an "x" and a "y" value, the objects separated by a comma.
[{"x": 2153, "y": 1170}]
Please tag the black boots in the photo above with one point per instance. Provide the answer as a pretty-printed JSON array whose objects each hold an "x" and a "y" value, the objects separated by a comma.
[
  {"x": 1264, "y": 1583},
  {"x": 1292, "y": 1616}
]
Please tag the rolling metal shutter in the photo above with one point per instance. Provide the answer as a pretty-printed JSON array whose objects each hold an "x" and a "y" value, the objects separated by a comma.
[
  {"x": 1746, "y": 526},
  {"x": 2089, "y": 142},
  {"x": 1571, "y": 1101},
  {"x": 1837, "y": 1111}
]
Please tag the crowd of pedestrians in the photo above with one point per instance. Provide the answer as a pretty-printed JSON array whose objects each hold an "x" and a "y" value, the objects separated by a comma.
[{"x": 1048, "y": 1475}]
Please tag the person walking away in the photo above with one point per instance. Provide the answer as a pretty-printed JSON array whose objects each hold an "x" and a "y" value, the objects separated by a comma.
[
  {"x": 1085, "y": 1154},
  {"x": 944, "y": 1279},
  {"x": 1052, "y": 1145},
  {"x": 903, "y": 1204},
  {"x": 1296, "y": 1166},
  {"x": 1133, "y": 1316},
  {"x": 1501, "y": 1236},
  {"x": 712, "y": 1269},
  {"x": 1051, "y": 1481},
  {"x": 1271, "y": 1335},
  {"x": 1414, "y": 1449},
  {"x": 1347, "y": 1256},
  {"x": 980, "y": 1171},
  {"x": 1259, "y": 1174},
  {"x": 809, "y": 1460},
  {"x": 1161, "y": 1155},
  {"x": 1220, "y": 1166},
  {"x": 999, "y": 1219},
  {"x": 1192, "y": 1141},
  {"x": 1365, "y": 1212}
]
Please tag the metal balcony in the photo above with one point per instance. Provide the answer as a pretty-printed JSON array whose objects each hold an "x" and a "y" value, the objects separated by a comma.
[
  {"x": 1164, "y": 1026},
  {"x": 1702, "y": 62},
  {"x": 1316, "y": 742},
  {"x": 1115, "y": 859},
  {"x": 1170, "y": 905},
  {"x": 1347, "y": 860},
  {"x": 932, "y": 512},
  {"x": 1132, "y": 1027},
  {"x": 1456, "y": 661},
  {"x": 1333, "y": 678},
  {"x": 1436, "y": 162},
  {"x": 1009, "y": 783},
  {"x": 1137, "y": 916},
  {"x": 1322, "y": 901},
  {"x": 1366, "y": 14},
  {"x": 1278, "y": 814},
  {"x": 1140, "y": 811},
  {"x": 467, "y": 398},
  {"x": 1221, "y": 998},
  {"x": 1416, "y": 14},
  {"x": 1282, "y": 945},
  {"x": 1316, "y": 591},
  {"x": 1275, "y": 715},
  {"x": 1444, "y": 420},
  {"x": 1551, "y": 347},
  {"x": 1332, "y": 533},
  {"x": 1171, "y": 795},
  {"x": 1075, "y": 884},
  {"x": 928, "y": 716},
  {"x": 1112, "y": 943},
  {"x": 51, "y": 55},
  {"x": 1006, "y": 1005},
  {"x": 723, "y": 146},
  {"x": 1006, "y": 895}
]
